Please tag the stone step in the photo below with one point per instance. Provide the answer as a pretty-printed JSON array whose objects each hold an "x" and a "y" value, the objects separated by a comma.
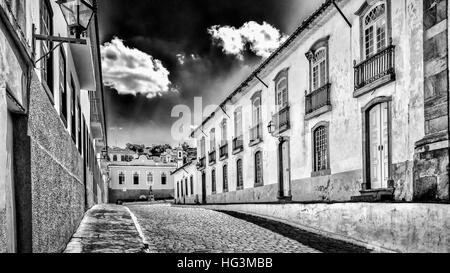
[{"x": 375, "y": 196}]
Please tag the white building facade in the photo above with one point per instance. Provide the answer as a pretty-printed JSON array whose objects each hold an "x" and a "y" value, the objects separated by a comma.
[
  {"x": 353, "y": 106},
  {"x": 141, "y": 178}
]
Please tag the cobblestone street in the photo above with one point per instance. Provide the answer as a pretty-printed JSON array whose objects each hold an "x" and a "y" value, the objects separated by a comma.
[
  {"x": 171, "y": 229},
  {"x": 163, "y": 228}
]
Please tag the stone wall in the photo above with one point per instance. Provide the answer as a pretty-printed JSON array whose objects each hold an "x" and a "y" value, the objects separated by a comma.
[
  {"x": 431, "y": 165},
  {"x": 384, "y": 227},
  {"x": 50, "y": 188}
]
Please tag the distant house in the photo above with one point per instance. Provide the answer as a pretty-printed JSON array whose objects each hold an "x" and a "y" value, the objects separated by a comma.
[{"x": 139, "y": 179}]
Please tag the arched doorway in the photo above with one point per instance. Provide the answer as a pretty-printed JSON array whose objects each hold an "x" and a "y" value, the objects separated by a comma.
[
  {"x": 284, "y": 172},
  {"x": 377, "y": 144}
]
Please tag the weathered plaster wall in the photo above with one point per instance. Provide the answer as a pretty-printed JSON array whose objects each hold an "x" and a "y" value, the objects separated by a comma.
[
  {"x": 56, "y": 175},
  {"x": 131, "y": 195},
  {"x": 388, "y": 227}
]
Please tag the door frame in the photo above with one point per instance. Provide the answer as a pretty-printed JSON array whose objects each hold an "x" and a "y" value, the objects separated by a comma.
[
  {"x": 10, "y": 188},
  {"x": 366, "y": 139},
  {"x": 281, "y": 189}
]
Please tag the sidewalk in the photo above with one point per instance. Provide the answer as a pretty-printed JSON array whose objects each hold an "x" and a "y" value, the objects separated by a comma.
[{"x": 106, "y": 229}]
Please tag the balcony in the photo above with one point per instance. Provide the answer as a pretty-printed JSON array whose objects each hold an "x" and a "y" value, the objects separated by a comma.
[
  {"x": 212, "y": 157},
  {"x": 376, "y": 71},
  {"x": 256, "y": 135},
  {"x": 223, "y": 151},
  {"x": 238, "y": 144},
  {"x": 282, "y": 121},
  {"x": 201, "y": 164},
  {"x": 318, "y": 102}
]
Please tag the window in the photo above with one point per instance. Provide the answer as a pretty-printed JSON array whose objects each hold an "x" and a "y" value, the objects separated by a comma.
[
  {"x": 318, "y": 62},
  {"x": 122, "y": 158},
  {"x": 178, "y": 189},
  {"x": 150, "y": 178},
  {"x": 212, "y": 140},
  {"x": 224, "y": 131},
  {"x": 186, "y": 186},
  {"x": 192, "y": 185},
  {"x": 181, "y": 188},
  {"x": 17, "y": 7},
  {"x": 258, "y": 168},
  {"x": 121, "y": 178},
  {"x": 114, "y": 157},
  {"x": 374, "y": 26},
  {"x": 281, "y": 89},
  {"x": 202, "y": 147},
  {"x": 238, "y": 122},
  {"x": 73, "y": 110},
  {"x": 225, "y": 177},
  {"x": 319, "y": 69},
  {"x": 163, "y": 179},
  {"x": 46, "y": 28},
  {"x": 63, "y": 86},
  {"x": 136, "y": 179},
  {"x": 79, "y": 125},
  {"x": 240, "y": 176},
  {"x": 213, "y": 181},
  {"x": 320, "y": 138},
  {"x": 256, "y": 111}
]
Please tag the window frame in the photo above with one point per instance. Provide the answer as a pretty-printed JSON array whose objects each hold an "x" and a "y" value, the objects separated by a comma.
[
  {"x": 224, "y": 131},
  {"x": 282, "y": 75},
  {"x": 315, "y": 171},
  {"x": 311, "y": 55},
  {"x": 362, "y": 12},
  {"x": 213, "y": 181},
  {"x": 258, "y": 183},
  {"x": 239, "y": 174},
  {"x": 63, "y": 112},
  {"x": 121, "y": 178},
  {"x": 47, "y": 62},
  {"x": 225, "y": 174},
  {"x": 238, "y": 122},
  {"x": 136, "y": 175}
]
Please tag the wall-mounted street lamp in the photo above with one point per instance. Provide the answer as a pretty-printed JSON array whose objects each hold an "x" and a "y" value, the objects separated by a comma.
[
  {"x": 271, "y": 128},
  {"x": 78, "y": 15}
]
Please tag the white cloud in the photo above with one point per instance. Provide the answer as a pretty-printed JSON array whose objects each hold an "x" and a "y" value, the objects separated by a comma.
[
  {"x": 131, "y": 71},
  {"x": 263, "y": 38}
]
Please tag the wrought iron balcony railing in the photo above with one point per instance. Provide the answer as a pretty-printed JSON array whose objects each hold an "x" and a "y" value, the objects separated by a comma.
[
  {"x": 318, "y": 98},
  {"x": 223, "y": 151},
  {"x": 238, "y": 144},
  {"x": 256, "y": 134},
  {"x": 281, "y": 120},
  {"x": 212, "y": 157},
  {"x": 375, "y": 67}
]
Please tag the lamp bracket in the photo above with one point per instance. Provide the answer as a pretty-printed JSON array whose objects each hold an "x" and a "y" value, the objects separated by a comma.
[{"x": 60, "y": 39}]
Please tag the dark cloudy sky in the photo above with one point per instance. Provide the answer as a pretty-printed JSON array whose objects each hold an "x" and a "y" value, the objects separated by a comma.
[{"x": 162, "y": 53}]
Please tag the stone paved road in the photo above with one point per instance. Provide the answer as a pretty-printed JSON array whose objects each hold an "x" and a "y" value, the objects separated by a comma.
[
  {"x": 106, "y": 229},
  {"x": 171, "y": 229}
]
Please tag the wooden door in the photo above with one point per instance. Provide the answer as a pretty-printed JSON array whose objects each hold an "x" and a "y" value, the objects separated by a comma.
[{"x": 379, "y": 146}]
